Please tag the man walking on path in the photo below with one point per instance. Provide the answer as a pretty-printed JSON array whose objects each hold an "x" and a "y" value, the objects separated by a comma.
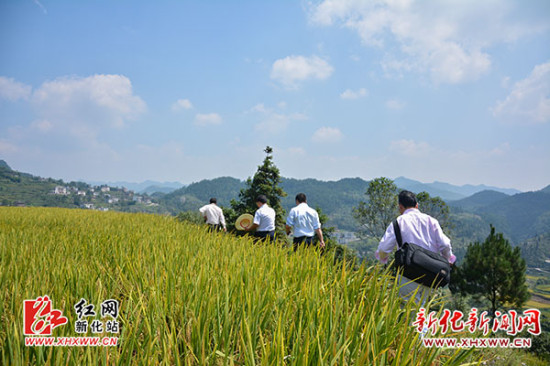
[
  {"x": 264, "y": 220},
  {"x": 305, "y": 222},
  {"x": 213, "y": 215},
  {"x": 420, "y": 229}
]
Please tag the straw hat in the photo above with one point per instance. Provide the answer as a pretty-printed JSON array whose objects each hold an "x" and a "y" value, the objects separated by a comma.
[{"x": 244, "y": 221}]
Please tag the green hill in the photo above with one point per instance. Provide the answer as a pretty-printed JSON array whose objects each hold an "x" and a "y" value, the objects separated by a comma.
[
  {"x": 480, "y": 199},
  {"x": 195, "y": 195},
  {"x": 22, "y": 189},
  {"x": 536, "y": 251},
  {"x": 521, "y": 216},
  {"x": 4, "y": 165},
  {"x": 546, "y": 189}
]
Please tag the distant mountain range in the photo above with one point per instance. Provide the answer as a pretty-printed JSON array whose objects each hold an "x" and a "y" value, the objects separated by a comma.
[
  {"x": 446, "y": 191},
  {"x": 449, "y": 192},
  {"x": 148, "y": 186}
]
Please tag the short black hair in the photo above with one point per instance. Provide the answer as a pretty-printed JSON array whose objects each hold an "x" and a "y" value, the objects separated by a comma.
[
  {"x": 407, "y": 199},
  {"x": 213, "y": 200},
  {"x": 261, "y": 198},
  {"x": 301, "y": 197}
]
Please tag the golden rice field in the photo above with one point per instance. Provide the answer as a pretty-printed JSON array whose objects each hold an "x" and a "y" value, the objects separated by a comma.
[{"x": 189, "y": 297}]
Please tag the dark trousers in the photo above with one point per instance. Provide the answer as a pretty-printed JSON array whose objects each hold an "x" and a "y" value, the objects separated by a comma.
[
  {"x": 302, "y": 240},
  {"x": 265, "y": 235},
  {"x": 214, "y": 227}
]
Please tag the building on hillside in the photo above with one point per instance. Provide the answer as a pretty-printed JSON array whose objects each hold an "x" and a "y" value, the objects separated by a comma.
[
  {"x": 344, "y": 237},
  {"x": 105, "y": 189},
  {"x": 81, "y": 193},
  {"x": 60, "y": 190}
]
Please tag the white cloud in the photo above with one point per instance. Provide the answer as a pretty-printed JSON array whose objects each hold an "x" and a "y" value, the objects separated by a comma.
[
  {"x": 13, "y": 90},
  {"x": 350, "y": 94},
  {"x": 503, "y": 149},
  {"x": 274, "y": 122},
  {"x": 395, "y": 104},
  {"x": 182, "y": 104},
  {"x": 296, "y": 151},
  {"x": 410, "y": 148},
  {"x": 529, "y": 99},
  {"x": 327, "y": 135},
  {"x": 448, "y": 40},
  {"x": 260, "y": 107},
  {"x": 84, "y": 105},
  {"x": 42, "y": 125},
  {"x": 7, "y": 147},
  {"x": 292, "y": 70},
  {"x": 209, "y": 119},
  {"x": 75, "y": 113}
]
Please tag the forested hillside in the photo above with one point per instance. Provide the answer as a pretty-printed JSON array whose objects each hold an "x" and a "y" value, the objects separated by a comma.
[
  {"x": 18, "y": 188},
  {"x": 480, "y": 199},
  {"x": 22, "y": 189},
  {"x": 536, "y": 251},
  {"x": 519, "y": 217}
]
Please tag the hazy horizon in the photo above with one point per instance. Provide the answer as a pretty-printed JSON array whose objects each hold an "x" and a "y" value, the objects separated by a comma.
[{"x": 154, "y": 181}]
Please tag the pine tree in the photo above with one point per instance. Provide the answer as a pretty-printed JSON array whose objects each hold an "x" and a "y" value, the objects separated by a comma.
[
  {"x": 493, "y": 270},
  {"x": 266, "y": 181}
]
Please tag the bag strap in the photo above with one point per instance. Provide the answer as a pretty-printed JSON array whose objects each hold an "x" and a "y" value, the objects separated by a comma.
[{"x": 397, "y": 231}]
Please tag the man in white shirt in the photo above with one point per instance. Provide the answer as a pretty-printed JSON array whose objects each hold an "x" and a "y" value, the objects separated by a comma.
[
  {"x": 420, "y": 229},
  {"x": 213, "y": 215},
  {"x": 264, "y": 220},
  {"x": 305, "y": 222}
]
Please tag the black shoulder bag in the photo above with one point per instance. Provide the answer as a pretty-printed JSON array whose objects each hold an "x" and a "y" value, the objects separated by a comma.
[{"x": 420, "y": 264}]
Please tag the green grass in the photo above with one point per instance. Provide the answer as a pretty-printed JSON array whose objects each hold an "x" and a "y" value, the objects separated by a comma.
[{"x": 189, "y": 297}]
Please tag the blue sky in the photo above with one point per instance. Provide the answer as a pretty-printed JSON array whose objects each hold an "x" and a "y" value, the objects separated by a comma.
[{"x": 455, "y": 91}]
